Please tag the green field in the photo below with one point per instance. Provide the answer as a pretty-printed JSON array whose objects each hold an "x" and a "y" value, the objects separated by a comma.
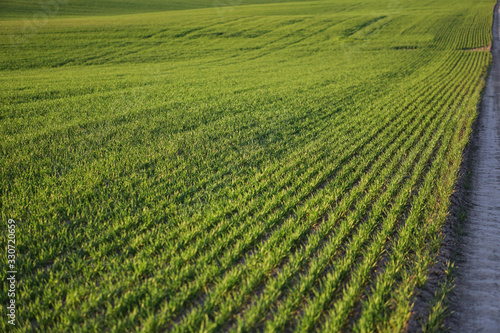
[{"x": 266, "y": 166}]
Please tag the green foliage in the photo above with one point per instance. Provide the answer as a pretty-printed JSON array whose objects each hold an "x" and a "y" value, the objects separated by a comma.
[
  {"x": 284, "y": 166},
  {"x": 26, "y": 9}
]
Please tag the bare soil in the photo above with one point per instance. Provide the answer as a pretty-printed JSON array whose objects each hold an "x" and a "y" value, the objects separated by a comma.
[{"x": 485, "y": 48}]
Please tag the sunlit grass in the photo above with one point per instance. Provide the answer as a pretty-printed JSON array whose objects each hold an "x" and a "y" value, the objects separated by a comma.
[{"x": 284, "y": 166}]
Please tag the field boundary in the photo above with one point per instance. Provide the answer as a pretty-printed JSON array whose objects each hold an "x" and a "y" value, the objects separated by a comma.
[
  {"x": 442, "y": 274},
  {"x": 439, "y": 274}
]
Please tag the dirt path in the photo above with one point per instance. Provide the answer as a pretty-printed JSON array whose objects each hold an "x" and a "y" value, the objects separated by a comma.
[{"x": 478, "y": 281}]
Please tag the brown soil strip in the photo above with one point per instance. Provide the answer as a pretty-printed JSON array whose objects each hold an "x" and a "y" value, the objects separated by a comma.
[{"x": 485, "y": 48}]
